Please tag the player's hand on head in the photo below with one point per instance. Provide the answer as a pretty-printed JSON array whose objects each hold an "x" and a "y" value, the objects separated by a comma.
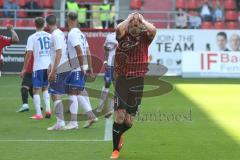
[
  {"x": 140, "y": 17},
  {"x": 130, "y": 16}
]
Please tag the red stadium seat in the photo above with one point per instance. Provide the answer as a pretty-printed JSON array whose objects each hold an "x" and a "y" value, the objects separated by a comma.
[
  {"x": 207, "y": 25},
  {"x": 181, "y": 4},
  {"x": 21, "y": 23},
  {"x": 232, "y": 25},
  {"x": 39, "y": 2},
  {"x": 135, "y": 4},
  {"x": 219, "y": 25},
  {"x": 192, "y": 4},
  {"x": 31, "y": 23},
  {"x": 1, "y": 3},
  {"x": 22, "y": 3},
  {"x": 231, "y": 15},
  {"x": 48, "y": 3},
  {"x": 230, "y": 4},
  {"x": 22, "y": 13},
  {"x": 5, "y": 22}
]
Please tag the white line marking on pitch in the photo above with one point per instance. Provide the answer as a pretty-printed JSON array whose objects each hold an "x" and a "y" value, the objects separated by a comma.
[
  {"x": 108, "y": 129},
  {"x": 51, "y": 140}
]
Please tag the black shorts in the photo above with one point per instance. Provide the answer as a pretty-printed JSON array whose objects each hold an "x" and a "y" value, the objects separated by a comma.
[
  {"x": 27, "y": 80},
  {"x": 128, "y": 93}
]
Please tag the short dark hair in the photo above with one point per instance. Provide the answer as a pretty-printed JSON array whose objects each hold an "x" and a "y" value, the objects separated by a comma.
[
  {"x": 39, "y": 22},
  {"x": 119, "y": 21},
  {"x": 72, "y": 16},
  {"x": 51, "y": 20},
  {"x": 222, "y": 34}
]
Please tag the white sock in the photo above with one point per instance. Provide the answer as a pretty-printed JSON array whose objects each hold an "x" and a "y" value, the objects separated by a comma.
[
  {"x": 73, "y": 108},
  {"x": 103, "y": 96},
  {"x": 59, "y": 111},
  {"x": 82, "y": 101},
  {"x": 85, "y": 95},
  {"x": 46, "y": 98},
  {"x": 37, "y": 103}
]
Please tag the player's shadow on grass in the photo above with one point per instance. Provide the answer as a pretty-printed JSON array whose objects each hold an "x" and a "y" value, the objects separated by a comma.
[
  {"x": 153, "y": 78},
  {"x": 199, "y": 139}
]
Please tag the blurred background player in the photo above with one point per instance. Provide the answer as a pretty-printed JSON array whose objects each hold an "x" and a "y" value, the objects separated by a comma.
[
  {"x": 56, "y": 77},
  {"x": 77, "y": 48},
  {"x": 110, "y": 46},
  {"x": 131, "y": 65},
  {"x": 26, "y": 75},
  {"x": 38, "y": 44},
  {"x": 6, "y": 41}
]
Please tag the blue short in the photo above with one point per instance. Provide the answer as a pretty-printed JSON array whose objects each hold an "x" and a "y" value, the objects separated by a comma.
[
  {"x": 75, "y": 81},
  {"x": 57, "y": 87},
  {"x": 108, "y": 77},
  {"x": 40, "y": 78}
]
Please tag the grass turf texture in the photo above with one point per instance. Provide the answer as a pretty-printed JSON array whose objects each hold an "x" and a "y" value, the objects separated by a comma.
[{"x": 213, "y": 133}]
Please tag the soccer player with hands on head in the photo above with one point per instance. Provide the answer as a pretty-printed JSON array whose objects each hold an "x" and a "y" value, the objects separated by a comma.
[{"x": 134, "y": 35}]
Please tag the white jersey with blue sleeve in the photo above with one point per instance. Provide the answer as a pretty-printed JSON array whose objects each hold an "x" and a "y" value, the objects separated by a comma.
[
  {"x": 39, "y": 44},
  {"x": 75, "y": 38}
]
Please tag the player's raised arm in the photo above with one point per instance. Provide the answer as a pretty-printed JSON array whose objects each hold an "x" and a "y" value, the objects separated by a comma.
[
  {"x": 150, "y": 27},
  {"x": 15, "y": 38}
]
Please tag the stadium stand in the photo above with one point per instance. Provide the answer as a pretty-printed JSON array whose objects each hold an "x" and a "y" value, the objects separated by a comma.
[
  {"x": 207, "y": 25},
  {"x": 229, "y": 7},
  {"x": 164, "y": 17},
  {"x": 181, "y": 4},
  {"x": 192, "y": 4},
  {"x": 219, "y": 25},
  {"x": 1, "y": 3},
  {"x": 162, "y": 14},
  {"x": 48, "y": 3},
  {"x": 7, "y": 21}
]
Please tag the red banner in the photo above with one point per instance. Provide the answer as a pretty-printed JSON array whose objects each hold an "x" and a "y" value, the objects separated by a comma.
[{"x": 96, "y": 39}]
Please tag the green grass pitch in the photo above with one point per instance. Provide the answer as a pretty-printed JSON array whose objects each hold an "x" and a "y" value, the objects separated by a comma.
[{"x": 200, "y": 120}]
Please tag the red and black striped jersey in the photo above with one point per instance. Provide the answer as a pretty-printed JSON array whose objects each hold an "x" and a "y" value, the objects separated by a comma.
[{"x": 131, "y": 57}]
